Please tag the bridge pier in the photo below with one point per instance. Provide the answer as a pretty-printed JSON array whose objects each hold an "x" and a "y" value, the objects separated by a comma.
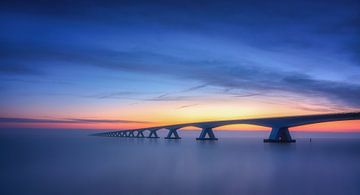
[
  {"x": 153, "y": 134},
  {"x": 140, "y": 134},
  {"x": 131, "y": 134},
  {"x": 209, "y": 132},
  {"x": 173, "y": 132},
  {"x": 125, "y": 134},
  {"x": 280, "y": 135}
]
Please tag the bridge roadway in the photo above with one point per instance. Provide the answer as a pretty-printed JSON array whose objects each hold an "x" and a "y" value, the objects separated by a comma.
[{"x": 279, "y": 125}]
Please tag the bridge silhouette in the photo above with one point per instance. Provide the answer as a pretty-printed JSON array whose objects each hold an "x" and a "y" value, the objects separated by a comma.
[{"x": 279, "y": 127}]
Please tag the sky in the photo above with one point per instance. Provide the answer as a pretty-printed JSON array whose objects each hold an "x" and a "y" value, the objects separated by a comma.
[{"x": 129, "y": 64}]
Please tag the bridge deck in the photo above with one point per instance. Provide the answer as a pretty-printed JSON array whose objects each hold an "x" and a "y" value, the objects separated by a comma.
[{"x": 279, "y": 125}]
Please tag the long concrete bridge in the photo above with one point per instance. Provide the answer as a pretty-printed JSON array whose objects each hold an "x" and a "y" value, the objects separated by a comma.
[{"x": 279, "y": 125}]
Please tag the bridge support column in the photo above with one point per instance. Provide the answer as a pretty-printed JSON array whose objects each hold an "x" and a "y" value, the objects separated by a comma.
[
  {"x": 280, "y": 135},
  {"x": 140, "y": 134},
  {"x": 125, "y": 134},
  {"x": 131, "y": 134},
  {"x": 153, "y": 134},
  {"x": 172, "y": 132},
  {"x": 209, "y": 132}
]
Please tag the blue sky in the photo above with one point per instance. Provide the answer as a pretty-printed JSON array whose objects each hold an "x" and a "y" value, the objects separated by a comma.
[{"x": 82, "y": 58}]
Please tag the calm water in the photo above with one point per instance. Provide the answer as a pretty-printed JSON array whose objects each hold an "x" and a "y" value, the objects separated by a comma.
[{"x": 68, "y": 162}]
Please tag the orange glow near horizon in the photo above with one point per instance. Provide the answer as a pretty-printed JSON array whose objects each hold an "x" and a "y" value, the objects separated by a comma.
[
  {"x": 150, "y": 114},
  {"x": 338, "y": 126}
]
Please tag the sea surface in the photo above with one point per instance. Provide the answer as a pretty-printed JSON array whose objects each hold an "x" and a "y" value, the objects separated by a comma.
[{"x": 72, "y": 162}]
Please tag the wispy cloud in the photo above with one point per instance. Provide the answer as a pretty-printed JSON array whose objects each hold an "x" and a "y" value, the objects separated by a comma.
[
  {"x": 195, "y": 88},
  {"x": 170, "y": 97},
  {"x": 117, "y": 95},
  {"x": 252, "y": 78},
  {"x": 187, "y": 106}
]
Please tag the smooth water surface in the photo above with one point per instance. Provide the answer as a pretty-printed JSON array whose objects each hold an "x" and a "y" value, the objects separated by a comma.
[{"x": 68, "y": 162}]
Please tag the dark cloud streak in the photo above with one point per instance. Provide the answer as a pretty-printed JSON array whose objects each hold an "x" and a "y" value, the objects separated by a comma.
[
  {"x": 70, "y": 120},
  {"x": 228, "y": 74}
]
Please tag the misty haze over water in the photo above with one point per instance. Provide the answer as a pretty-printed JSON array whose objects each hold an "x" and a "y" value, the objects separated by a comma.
[{"x": 37, "y": 161}]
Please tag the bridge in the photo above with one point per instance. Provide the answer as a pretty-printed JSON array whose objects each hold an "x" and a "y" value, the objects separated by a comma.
[{"x": 279, "y": 127}]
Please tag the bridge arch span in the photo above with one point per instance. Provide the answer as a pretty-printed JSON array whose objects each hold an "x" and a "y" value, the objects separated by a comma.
[
  {"x": 189, "y": 126},
  {"x": 241, "y": 126},
  {"x": 173, "y": 131}
]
